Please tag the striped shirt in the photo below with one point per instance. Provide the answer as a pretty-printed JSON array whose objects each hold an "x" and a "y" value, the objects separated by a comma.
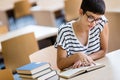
[{"x": 68, "y": 41}]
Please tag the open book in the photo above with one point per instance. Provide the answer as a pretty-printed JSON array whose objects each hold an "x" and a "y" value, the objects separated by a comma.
[{"x": 68, "y": 73}]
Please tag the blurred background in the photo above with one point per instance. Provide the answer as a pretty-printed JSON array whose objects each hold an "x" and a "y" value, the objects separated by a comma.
[{"x": 17, "y": 14}]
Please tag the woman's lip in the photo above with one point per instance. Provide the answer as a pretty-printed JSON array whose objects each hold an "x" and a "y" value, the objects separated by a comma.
[{"x": 90, "y": 27}]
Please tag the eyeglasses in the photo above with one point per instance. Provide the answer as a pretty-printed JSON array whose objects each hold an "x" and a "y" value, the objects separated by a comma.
[{"x": 91, "y": 19}]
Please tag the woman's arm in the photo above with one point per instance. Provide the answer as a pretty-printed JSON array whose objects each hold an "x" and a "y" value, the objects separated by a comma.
[
  {"x": 63, "y": 61},
  {"x": 103, "y": 42},
  {"x": 76, "y": 60}
]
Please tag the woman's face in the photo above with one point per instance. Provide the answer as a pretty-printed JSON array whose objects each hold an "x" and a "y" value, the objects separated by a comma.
[{"x": 89, "y": 19}]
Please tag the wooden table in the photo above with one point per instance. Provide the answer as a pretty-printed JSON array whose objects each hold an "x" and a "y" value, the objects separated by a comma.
[
  {"x": 111, "y": 71},
  {"x": 112, "y": 6},
  {"x": 6, "y": 5},
  {"x": 6, "y": 9},
  {"x": 41, "y": 32},
  {"x": 52, "y": 5}
]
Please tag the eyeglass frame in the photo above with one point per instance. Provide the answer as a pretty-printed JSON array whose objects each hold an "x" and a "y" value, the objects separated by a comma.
[{"x": 91, "y": 19}]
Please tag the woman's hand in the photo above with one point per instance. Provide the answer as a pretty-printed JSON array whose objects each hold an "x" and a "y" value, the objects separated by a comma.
[{"x": 84, "y": 60}]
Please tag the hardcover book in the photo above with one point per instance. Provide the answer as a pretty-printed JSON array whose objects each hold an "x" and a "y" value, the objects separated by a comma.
[
  {"x": 33, "y": 76},
  {"x": 55, "y": 77},
  {"x": 49, "y": 76},
  {"x": 69, "y": 72},
  {"x": 33, "y": 68}
]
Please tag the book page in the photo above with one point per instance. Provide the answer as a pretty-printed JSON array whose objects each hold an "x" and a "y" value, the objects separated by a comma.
[
  {"x": 69, "y": 72},
  {"x": 96, "y": 66},
  {"x": 72, "y": 72}
]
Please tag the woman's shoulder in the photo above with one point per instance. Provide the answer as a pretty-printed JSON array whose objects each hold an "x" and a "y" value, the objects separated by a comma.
[
  {"x": 100, "y": 26},
  {"x": 66, "y": 26},
  {"x": 104, "y": 18}
]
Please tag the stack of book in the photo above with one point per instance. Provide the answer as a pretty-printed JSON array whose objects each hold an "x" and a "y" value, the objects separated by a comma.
[{"x": 37, "y": 71}]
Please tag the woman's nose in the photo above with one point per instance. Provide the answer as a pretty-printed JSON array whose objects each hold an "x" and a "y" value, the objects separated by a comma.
[{"x": 93, "y": 23}]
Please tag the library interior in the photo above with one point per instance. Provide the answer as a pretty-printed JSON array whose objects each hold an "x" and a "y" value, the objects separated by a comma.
[{"x": 29, "y": 30}]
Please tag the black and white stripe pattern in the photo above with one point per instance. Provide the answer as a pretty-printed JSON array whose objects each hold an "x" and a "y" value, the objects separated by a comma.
[{"x": 68, "y": 41}]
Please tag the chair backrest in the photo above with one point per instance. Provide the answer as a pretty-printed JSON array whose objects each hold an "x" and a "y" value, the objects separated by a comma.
[
  {"x": 16, "y": 51},
  {"x": 72, "y": 9},
  {"x": 43, "y": 17},
  {"x": 6, "y": 74},
  {"x": 48, "y": 54},
  {"x": 22, "y": 8},
  {"x": 3, "y": 29}
]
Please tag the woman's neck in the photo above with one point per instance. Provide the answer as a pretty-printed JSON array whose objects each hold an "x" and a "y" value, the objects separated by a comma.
[{"x": 77, "y": 26}]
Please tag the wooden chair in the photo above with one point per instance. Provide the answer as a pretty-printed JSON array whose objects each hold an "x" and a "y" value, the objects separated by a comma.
[
  {"x": 72, "y": 9},
  {"x": 16, "y": 50},
  {"x": 48, "y": 54},
  {"x": 6, "y": 74},
  {"x": 22, "y": 8},
  {"x": 43, "y": 17},
  {"x": 3, "y": 29}
]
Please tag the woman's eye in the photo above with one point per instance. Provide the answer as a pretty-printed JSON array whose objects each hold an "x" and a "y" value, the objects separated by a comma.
[{"x": 90, "y": 17}]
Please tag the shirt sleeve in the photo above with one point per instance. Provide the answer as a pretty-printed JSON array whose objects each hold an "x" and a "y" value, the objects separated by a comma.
[
  {"x": 102, "y": 24},
  {"x": 60, "y": 40}
]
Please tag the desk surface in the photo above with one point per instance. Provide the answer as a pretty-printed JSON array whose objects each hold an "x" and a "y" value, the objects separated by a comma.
[
  {"x": 52, "y": 5},
  {"x": 41, "y": 32},
  {"x": 44, "y": 5},
  {"x": 110, "y": 72},
  {"x": 112, "y": 6},
  {"x": 6, "y": 5}
]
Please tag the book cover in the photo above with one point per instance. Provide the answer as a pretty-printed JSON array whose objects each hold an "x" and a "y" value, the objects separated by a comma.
[
  {"x": 33, "y": 76},
  {"x": 48, "y": 76},
  {"x": 55, "y": 77},
  {"x": 32, "y": 68},
  {"x": 68, "y": 73}
]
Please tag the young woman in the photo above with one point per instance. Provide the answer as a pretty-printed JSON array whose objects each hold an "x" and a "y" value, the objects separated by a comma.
[{"x": 81, "y": 42}]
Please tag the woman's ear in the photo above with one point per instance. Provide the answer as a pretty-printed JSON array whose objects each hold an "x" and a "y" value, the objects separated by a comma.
[{"x": 80, "y": 11}]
